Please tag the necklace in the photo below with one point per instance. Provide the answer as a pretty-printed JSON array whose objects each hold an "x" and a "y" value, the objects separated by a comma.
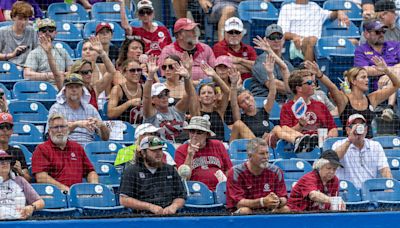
[{"x": 129, "y": 93}]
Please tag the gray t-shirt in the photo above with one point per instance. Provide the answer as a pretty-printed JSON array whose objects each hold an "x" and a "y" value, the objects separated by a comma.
[
  {"x": 37, "y": 60},
  {"x": 9, "y": 41},
  {"x": 260, "y": 76},
  {"x": 320, "y": 96},
  {"x": 80, "y": 135},
  {"x": 390, "y": 35}
]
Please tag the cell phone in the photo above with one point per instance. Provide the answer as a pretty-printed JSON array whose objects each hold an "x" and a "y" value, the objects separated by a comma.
[{"x": 22, "y": 51}]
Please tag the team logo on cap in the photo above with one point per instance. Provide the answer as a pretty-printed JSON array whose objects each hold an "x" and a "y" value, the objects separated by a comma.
[
  {"x": 5, "y": 117},
  {"x": 234, "y": 22}
]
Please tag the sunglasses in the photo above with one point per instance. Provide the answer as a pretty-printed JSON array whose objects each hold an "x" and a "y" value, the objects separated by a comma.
[
  {"x": 135, "y": 70},
  {"x": 164, "y": 93},
  {"x": 309, "y": 82},
  {"x": 7, "y": 126},
  {"x": 234, "y": 32},
  {"x": 165, "y": 67},
  {"x": 197, "y": 132},
  {"x": 145, "y": 11},
  {"x": 85, "y": 72},
  {"x": 1, "y": 94},
  {"x": 47, "y": 29},
  {"x": 379, "y": 32},
  {"x": 275, "y": 36},
  {"x": 60, "y": 127}
]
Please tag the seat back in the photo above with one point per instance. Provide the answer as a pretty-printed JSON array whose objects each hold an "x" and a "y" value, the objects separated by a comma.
[
  {"x": 199, "y": 194},
  {"x": 90, "y": 30},
  {"x": 350, "y": 8},
  {"x": 334, "y": 46},
  {"x": 109, "y": 11},
  {"x": 52, "y": 196},
  {"x": 102, "y": 151},
  {"x": 247, "y": 83},
  {"x": 34, "y": 91},
  {"x": 68, "y": 32},
  {"x": 128, "y": 131},
  {"x": 9, "y": 73},
  {"x": 394, "y": 164},
  {"x": 91, "y": 195},
  {"x": 256, "y": 9},
  {"x": 377, "y": 189},
  {"x": 28, "y": 111},
  {"x": 6, "y": 91},
  {"x": 349, "y": 192},
  {"x": 70, "y": 51},
  {"x": 67, "y": 12},
  {"x": 290, "y": 183},
  {"x": 390, "y": 144},
  {"x": 335, "y": 28},
  {"x": 26, "y": 133},
  {"x": 275, "y": 112},
  {"x": 328, "y": 143},
  {"x": 293, "y": 168},
  {"x": 107, "y": 173},
  {"x": 220, "y": 193}
]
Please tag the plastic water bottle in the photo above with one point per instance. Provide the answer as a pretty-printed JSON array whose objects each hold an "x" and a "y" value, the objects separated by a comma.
[{"x": 19, "y": 201}]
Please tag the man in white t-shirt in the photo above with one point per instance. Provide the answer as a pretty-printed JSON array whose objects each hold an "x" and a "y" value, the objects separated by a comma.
[
  {"x": 301, "y": 22},
  {"x": 362, "y": 158}
]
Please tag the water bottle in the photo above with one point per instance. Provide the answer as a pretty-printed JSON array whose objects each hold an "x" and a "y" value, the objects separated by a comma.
[{"x": 19, "y": 201}]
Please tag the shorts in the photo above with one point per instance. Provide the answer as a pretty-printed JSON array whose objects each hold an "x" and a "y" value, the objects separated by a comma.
[{"x": 218, "y": 6}]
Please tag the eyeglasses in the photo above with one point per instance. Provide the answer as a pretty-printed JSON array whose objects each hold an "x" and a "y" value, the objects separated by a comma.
[
  {"x": 309, "y": 82},
  {"x": 275, "y": 36},
  {"x": 59, "y": 127},
  {"x": 165, "y": 67},
  {"x": 164, "y": 93},
  {"x": 7, "y": 126},
  {"x": 135, "y": 70},
  {"x": 234, "y": 32},
  {"x": 47, "y": 29},
  {"x": 379, "y": 32},
  {"x": 5, "y": 161},
  {"x": 85, "y": 72},
  {"x": 143, "y": 12},
  {"x": 197, "y": 132}
]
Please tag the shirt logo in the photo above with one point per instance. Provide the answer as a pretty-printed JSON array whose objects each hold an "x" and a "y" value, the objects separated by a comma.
[
  {"x": 169, "y": 177},
  {"x": 368, "y": 53},
  {"x": 311, "y": 118},
  {"x": 141, "y": 175},
  {"x": 73, "y": 156},
  {"x": 267, "y": 188}
]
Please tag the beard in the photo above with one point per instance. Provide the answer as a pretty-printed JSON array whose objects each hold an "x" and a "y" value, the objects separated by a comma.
[
  {"x": 152, "y": 162},
  {"x": 59, "y": 139},
  {"x": 192, "y": 42}
]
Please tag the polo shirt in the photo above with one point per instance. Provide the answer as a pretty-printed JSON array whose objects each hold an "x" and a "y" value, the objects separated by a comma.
[
  {"x": 245, "y": 52},
  {"x": 154, "y": 41},
  {"x": 159, "y": 188},
  {"x": 361, "y": 165},
  {"x": 242, "y": 184},
  {"x": 66, "y": 166}
]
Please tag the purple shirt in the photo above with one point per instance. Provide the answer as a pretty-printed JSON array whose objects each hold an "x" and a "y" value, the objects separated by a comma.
[{"x": 390, "y": 53}]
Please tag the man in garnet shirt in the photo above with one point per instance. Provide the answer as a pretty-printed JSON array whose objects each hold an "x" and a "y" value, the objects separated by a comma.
[
  {"x": 314, "y": 191},
  {"x": 256, "y": 184},
  {"x": 206, "y": 157},
  {"x": 60, "y": 161},
  {"x": 243, "y": 56}
]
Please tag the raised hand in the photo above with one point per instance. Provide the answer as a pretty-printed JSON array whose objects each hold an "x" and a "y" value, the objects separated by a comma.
[
  {"x": 187, "y": 61},
  {"x": 313, "y": 67},
  {"x": 208, "y": 70},
  {"x": 152, "y": 66},
  {"x": 95, "y": 44},
  {"x": 380, "y": 64},
  {"x": 269, "y": 64},
  {"x": 181, "y": 70},
  {"x": 45, "y": 43},
  {"x": 234, "y": 75},
  {"x": 262, "y": 44}
]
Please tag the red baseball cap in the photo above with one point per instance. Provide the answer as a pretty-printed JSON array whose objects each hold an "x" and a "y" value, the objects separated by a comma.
[
  {"x": 5, "y": 156},
  {"x": 102, "y": 25},
  {"x": 6, "y": 118},
  {"x": 184, "y": 24}
]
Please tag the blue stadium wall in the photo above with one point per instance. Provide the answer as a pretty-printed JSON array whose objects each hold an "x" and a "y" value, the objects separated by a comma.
[{"x": 322, "y": 220}]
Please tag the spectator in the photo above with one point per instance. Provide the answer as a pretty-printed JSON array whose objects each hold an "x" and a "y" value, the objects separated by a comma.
[
  {"x": 130, "y": 49},
  {"x": 14, "y": 191},
  {"x": 368, "y": 8},
  {"x": 362, "y": 158},
  {"x": 301, "y": 22},
  {"x": 314, "y": 191},
  {"x": 60, "y": 161},
  {"x": 206, "y": 157},
  {"x": 83, "y": 119},
  {"x": 173, "y": 82},
  {"x": 18, "y": 39},
  {"x": 6, "y": 6},
  {"x": 256, "y": 184},
  {"x": 272, "y": 44},
  {"x": 3, "y": 101},
  {"x": 18, "y": 163},
  {"x": 156, "y": 109},
  {"x": 104, "y": 32},
  {"x": 37, "y": 65},
  {"x": 155, "y": 37},
  {"x": 150, "y": 185},
  {"x": 242, "y": 55},
  {"x": 317, "y": 114},
  {"x": 187, "y": 41}
]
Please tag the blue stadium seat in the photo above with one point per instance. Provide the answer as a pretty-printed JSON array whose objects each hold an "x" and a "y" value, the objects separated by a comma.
[
  {"x": 9, "y": 74},
  {"x": 285, "y": 150},
  {"x": 78, "y": 49},
  {"x": 201, "y": 199},
  {"x": 220, "y": 193},
  {"x": 384, "y": 192},
  {"x": 390, "y": 144},
  {"x": 102, "y": 151},
  {"x": 335, "y": 28},
  {"x": 293, "y": 168},
  {"x": 247, "y": 83},
  {"x": 70, "y": 51},
  {"x": 64, "y": 12},
  {"x": 353, "y": 11},
  {"x": 227, "y": 133},
  {"x": 108, "y": 174},
  {"x": 290, "y": 183},
  {"x": 25, "y": 150},
  {"x": 6, "y": 91},
  {"x": 334, "y": 55},
  {"x": 352, "y": 196},
  {"x": 128, "y": 135},
  {"x": 109, "y": 11},
  {"x": 26, "y": 134},
  {"x": 339, "y": 125},
  {"x": 39, "y": 91},
  {"x": 68, "y": 32},
  {"x": 90, "y": 30},
  {"x": 28, "y": 112},
  {"x": 55, "y": 202},
  {"x": 94, "y": 199},
  {"x": 275, "y": 113},
  {"x": 394, "y": 164},
  {"x": 168, "y": 147},
  {"x": 329, "y": 142},
  {"x": 256, "y": 16},
  {"x": 237, "y": 151}
]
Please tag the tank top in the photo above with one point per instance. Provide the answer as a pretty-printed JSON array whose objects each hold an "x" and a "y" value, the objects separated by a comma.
[
  {"x": 93, "y": 100},
  {"x": 132, "y": 115},
  {"x": 217, "y": 124},
  {"x": 368, "y": 114},
  {"x": 258, "y": 124}
]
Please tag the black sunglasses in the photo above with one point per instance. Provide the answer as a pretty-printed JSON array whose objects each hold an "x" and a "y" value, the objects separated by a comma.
[
  {"x": 85, "y": 72},
  {"x": 47, "y": 29},
  {"x": 308, "y": 82},
  {"x": 275, "y": 36},
  {"x": 234, "y": 32},
  {"x": 165, "y": 67},
  {"x": 135, "y": 70},
  {"x": 380, "y": 32},
  {"x": 197, "y": 132},
  {"x": 143, "y": 12},
  {"x": 7, "y": 126}
]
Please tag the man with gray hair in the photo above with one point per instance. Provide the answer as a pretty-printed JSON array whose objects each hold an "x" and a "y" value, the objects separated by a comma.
[
  {"x": 60, "y": 161},
  {"x": 256, "y": 184}
]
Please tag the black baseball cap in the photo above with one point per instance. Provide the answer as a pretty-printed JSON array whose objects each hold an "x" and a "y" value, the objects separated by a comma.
[
  {"x": 385, "y": 5},
  {"x": 332, "y": 157}
]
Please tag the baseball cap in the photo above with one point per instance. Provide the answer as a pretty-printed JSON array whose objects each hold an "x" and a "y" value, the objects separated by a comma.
[
  {"x": 354, "y": 117},
  {"x": 146, "y": 128},
  {"x": 200, "y": 123},
  {"x": 233, "y": 23},
  {"x": 151, "y": 142},
  {"x": 73, "y": 78},
  {"x": 157, "y": 88},
  {"x": 102, "y": 25},
  {"x": 224, "y": 60},
  {"x": 332, "y": 157},
  {"x": 47, "y": 22},
  {"x": 184, "y": 24},
  {"x": 385, "y": 5},
  {"x": 273, "y": 28},
  {"x": 373, "y": 25},
  {"x": 5, "y": 156},
  {"x": 145, "y": 4},
  {"x": 6, "y": 118}
]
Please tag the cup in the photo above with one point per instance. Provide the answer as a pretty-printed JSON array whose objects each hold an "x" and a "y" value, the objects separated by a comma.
[
  {"x": 322, "y": 135},
  {"x": 336, "y": 203}
]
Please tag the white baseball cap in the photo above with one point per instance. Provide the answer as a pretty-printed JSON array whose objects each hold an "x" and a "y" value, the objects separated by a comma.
[
  {"x": 233, "y": 23},
  {"x": 145, "y": 4},
  {"x": 146, "y": 128},
  {"x": 157, "y": 88}
]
